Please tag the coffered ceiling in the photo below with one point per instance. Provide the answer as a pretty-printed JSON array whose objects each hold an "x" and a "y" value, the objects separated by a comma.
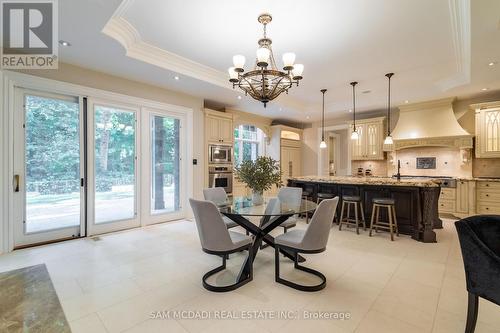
[{"x": 437, "y": 48}]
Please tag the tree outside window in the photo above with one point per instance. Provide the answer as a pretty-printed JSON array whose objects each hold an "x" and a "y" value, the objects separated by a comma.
[{"x": 248, "y": 143}]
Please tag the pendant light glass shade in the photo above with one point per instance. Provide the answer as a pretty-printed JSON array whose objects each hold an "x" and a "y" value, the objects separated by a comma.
[
  {"x": 239, "y": 61},
  {"x": 354, "y": 135},
  {"x": 322, "y": 145},
  {"x": 263, "y": 55},
  {"x": 388, "y": 140}
]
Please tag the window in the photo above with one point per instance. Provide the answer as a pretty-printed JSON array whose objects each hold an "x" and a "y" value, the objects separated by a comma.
[{"x": 248, "y": 143}]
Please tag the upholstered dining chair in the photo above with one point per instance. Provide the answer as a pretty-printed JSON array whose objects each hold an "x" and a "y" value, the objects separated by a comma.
[
  {"x": 217, "y": 240},
  {"x": 479, "y": 238},
  {"x": 293, "y": 196},
  {"x": 311, "y": 240},
  {"x": 219, "y": 196}
]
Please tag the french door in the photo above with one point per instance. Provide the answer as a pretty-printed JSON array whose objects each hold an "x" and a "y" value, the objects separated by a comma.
[
  {"x": 48, "y": 167},
  {"x": 163, "y": 166},
  {"x": 112, "y": 174}
]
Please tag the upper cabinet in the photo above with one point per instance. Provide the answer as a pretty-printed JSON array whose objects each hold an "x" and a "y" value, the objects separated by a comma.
[
  {"x": 219, "y": 127},
  {"x": 370, "y": 140},
  {"x": 487, "y": 129}
]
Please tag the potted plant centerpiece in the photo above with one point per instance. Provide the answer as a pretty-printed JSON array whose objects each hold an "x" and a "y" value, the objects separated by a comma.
[{"x": 259, "y": 175}]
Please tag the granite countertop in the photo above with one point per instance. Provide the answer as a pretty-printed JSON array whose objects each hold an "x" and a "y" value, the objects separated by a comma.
[
  {"x": 481, "y": 179},
  {"x": 416, "y": 182}
]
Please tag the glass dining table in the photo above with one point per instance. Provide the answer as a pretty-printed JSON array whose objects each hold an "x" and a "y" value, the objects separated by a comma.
[{"x": 260, "y": 219}]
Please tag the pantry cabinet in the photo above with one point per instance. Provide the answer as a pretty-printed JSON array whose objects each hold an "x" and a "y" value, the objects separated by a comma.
[
  {"x": 487, "y": 129},
  {"x": 369, "y": 145}
]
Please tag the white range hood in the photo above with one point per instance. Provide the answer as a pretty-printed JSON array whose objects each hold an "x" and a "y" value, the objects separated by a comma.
[{"x": 431, "y": 123}]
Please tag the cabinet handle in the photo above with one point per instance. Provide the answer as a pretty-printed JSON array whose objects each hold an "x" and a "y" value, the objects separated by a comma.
[
  {"x": 487, "y": 208},
  {"x": 487, "y": 195},
  {"x": 487, "y": 185}
]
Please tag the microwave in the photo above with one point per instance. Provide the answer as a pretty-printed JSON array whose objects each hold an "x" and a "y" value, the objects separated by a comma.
[{"x": 218, "y": 154}]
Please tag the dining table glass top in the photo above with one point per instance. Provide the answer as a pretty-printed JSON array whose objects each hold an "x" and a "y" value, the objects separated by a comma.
[{"x": 271, "y": 206}]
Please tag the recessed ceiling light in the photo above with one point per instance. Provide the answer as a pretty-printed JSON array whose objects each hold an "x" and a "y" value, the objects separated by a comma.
[
  {"x": 239, "y": 96},
  {"x": 407, "y": 101},
  {"x": 176, "y": 78},
  {"x": 493, "y": 63},
  {"x": 350, "y": 110},
  {"x": 484, "y": 89},
  {"x": 281, "y": 109},
  {"x": 64, "y": 43},
  {"x": 307, "y": 117}
]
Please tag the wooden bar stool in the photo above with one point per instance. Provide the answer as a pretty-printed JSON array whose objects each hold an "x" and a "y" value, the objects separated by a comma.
[
  {"x": 324, "y": 196},
  {"x": 392, "y": 224},
  {"x": 354, "y": 201}
]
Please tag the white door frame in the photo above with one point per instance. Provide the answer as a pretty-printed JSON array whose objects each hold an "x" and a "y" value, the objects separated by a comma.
[
  {"x": 21, "y": 238},
  {"x": 114, "y": 225},
  {"x": 147, "y": 217}
]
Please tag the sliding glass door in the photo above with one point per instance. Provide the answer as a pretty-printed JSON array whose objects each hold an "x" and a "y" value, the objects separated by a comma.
[
  {"x": 113, "y": 175},
  {"x": 48, "y": 167}
]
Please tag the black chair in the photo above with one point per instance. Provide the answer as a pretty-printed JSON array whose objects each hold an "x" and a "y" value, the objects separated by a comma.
[{"x": 480, "y": 243}]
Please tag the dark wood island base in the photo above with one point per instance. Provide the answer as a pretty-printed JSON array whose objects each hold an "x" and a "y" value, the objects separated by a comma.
[{"x": 416, "y": 200}]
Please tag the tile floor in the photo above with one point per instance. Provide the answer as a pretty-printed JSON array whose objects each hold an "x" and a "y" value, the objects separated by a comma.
[{"x": 114, "y": 284}]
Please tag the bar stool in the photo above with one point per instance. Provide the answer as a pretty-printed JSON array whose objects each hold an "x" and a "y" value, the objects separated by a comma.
[
  {"x": 323, "y": 196},
  {"x": 354, "y": 201},
  {"x": 392, "y": 224}
]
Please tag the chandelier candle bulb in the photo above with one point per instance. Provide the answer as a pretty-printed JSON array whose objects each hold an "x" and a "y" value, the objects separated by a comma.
[
  {"x": 297, "y": 71},
  {"x": 263, "y": 54},
  {"x": 233, "y": 75},
  {"x": 288, "y": 61},
  {"x": 239, "y": 62}
]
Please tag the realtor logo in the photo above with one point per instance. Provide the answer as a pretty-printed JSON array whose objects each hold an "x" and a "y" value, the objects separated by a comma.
[{"x": 29, "y": 34}]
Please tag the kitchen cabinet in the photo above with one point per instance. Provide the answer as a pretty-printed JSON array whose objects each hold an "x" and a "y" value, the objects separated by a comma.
[
  {"x": 447, "y": 200},
  {"x": 369, "y": 145},
  {"x": 219, "y": 127},
  {"x": 290, "y": 162},
  {"x": 487, "y": 129},
  {"x": 488, "y": 197}
]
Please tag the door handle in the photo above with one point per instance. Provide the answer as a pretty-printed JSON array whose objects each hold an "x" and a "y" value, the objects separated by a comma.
[{"x": 16, "y": 183}]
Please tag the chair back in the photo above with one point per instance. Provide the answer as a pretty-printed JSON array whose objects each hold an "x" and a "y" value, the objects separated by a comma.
[
  {"x": 479, "y": 238},
  {"x": 215, "y": 194},
  {"x": 211, "y": 228},
  {"x": 272, "y": 207},
  {"x": 316, "y": 235},
  {"x": 290, "y": 195}
]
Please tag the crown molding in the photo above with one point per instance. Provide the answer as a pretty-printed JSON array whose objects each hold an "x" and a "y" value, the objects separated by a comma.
[
  {"x": 127, "y": 35},
  {"x": 460, "y": 17}
]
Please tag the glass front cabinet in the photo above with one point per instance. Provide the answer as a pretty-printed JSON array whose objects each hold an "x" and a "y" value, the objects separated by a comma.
[{"x": 487, "y": 129}]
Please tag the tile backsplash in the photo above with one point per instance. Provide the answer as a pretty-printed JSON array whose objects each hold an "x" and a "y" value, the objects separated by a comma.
[
  {"x": 486, "y": 167},
  {"x": 379, "y": 168},
  {"x": 448, "y": 162}
]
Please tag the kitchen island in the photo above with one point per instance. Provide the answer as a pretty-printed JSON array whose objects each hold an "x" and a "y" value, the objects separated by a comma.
[{"x": 416, "y": 200}]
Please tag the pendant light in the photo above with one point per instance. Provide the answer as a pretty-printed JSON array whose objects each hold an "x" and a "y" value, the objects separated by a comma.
[
  {"x": 354, "y": 134},
  {"x": 322, "y": 145},
  {"x": 388, "y": 139}
]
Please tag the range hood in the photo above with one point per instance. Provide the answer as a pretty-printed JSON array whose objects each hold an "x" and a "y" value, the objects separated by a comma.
[{"x": 428, "y": 124}]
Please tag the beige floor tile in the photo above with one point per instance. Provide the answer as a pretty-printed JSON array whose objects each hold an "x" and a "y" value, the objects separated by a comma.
[
  {"x": 87, "y": 324},
  {"x": 156, "y": 326},
  {"x": 376, "y": 321}
]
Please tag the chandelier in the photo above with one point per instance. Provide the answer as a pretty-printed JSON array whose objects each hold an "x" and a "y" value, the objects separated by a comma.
[{"x": 265, "y": 82}]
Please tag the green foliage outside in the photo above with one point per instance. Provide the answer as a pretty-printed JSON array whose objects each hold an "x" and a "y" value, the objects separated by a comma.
[{"x": 259, "y": 175}]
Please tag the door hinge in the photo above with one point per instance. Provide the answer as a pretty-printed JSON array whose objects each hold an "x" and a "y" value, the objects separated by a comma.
[{"x": 82, "y": 182}]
